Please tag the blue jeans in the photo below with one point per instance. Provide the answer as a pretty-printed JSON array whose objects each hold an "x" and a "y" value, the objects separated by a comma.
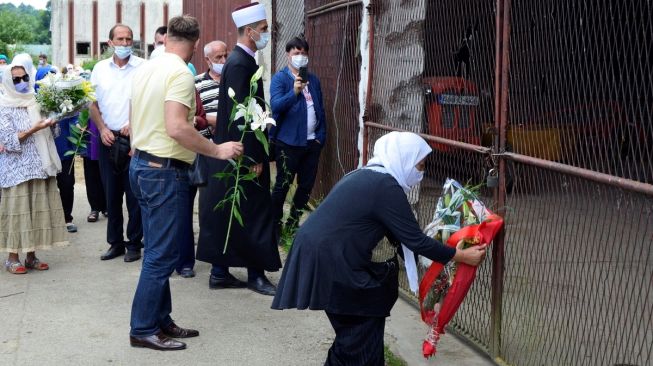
[
  {"x": 187, "y": 243},
  {"x": 162, "y": 194}
]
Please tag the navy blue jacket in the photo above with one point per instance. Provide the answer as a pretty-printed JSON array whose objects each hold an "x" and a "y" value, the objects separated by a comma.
[{"x": 289, "y": 110}]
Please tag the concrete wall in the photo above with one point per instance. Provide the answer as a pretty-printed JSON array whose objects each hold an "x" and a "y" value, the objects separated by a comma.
[
  {"x": 398, "y": 64},
  {"x": 264, "y": 57},
  {"x": 83, "y": 23}
]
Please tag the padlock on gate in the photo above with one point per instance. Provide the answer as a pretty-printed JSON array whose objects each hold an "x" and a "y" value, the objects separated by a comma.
[{"x": 493, "y": 178}]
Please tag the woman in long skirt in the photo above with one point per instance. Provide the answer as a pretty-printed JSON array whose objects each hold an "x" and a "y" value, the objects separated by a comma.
[{"x": 31, "y": 215}]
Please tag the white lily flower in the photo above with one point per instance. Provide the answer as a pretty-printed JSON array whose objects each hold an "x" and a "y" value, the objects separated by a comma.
[
  {"x": 270, "y": 121},
  {"x": 262, "y": 120},
  {"x": 232, "y": 93},
  {"x": 258, "y": 74},
  {"x": 66, "y": 106},
  {"x": 241, "y": 112}
]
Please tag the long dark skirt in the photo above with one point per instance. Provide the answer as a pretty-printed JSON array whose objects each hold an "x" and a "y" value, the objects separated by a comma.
[{"x": 359, "y": 341}]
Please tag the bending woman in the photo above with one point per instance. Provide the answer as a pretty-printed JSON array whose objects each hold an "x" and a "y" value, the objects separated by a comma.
[
  {"x": 31, "y": 215},
  {"x": 330, "y": 265}
]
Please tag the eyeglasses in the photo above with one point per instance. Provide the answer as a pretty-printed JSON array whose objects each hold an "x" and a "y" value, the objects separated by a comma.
[{"x": 17, "y": 79}]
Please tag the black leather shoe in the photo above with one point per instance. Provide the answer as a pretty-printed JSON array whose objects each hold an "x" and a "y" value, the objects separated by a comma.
[
  {"x": 187, "y": 273},
  {"x": 159, "y": 342},
  {"x": 173, "y": 331},
  {"x": 132, "y": 255},
  {"x": 115, "y": 251},
  {"x": 263, "y": 286},
  {"x": 228, "y": 282}
]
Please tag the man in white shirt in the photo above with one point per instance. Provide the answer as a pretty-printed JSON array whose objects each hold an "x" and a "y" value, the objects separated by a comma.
[{"x": 112, "y": 81}]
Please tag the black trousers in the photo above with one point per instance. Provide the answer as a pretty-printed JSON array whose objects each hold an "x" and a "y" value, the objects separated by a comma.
[
  {"x": 116, "y": 185},
  {"x": 66, "y": 185},
  {"x": 291, "y": 161},
  {"x": 94, "y": 186},
  {"x": 358, "y": 342}
]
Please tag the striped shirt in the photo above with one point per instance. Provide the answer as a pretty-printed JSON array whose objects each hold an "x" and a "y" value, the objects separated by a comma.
[{"x": 209, "y": 91}]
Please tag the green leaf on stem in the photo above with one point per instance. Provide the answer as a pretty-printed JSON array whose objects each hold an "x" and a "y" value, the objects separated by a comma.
[
  {"x": 238, "y": 217},
  {"x": 69, "y": 152},
  {"x": 73, "y": 140},
  {"x": 221, "y": 175},
  {"x": 260, "y": 136}
]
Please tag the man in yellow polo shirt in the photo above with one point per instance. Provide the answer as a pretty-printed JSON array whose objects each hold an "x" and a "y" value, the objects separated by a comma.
[{"x": 165, "y": 144}]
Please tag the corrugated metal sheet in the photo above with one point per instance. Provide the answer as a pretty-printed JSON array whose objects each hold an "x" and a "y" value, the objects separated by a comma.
[{"x": 215, "y": 22}]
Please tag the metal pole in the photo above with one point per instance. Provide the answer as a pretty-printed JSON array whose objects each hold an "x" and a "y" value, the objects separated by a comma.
[{"x": 498, "y": 253}]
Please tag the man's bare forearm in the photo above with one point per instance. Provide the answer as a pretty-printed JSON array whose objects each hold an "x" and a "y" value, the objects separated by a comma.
[{"x": 96, "y": 116}]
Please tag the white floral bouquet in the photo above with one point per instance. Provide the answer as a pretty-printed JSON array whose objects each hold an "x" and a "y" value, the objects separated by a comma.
[
  {"x": 61, "y": 97},
  {"x": 64, "y": 96}
]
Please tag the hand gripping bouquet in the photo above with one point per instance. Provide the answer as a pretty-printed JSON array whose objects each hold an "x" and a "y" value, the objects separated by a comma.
[{"x": 459, "y": 215}]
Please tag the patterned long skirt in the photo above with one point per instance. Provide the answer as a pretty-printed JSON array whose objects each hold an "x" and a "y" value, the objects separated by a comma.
[{"x": 31, "y": 217}]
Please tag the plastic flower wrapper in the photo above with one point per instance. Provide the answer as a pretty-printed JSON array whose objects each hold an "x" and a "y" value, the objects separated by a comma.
[
  {"x": 459, "y": 216},
  {"x": 62, "y": 97}
]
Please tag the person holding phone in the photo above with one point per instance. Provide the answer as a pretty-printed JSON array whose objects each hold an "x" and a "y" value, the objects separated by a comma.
[{"x": 300, "y": 133}]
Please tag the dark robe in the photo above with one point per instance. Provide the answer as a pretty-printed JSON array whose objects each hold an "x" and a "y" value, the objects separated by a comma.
[
  {"x": 330, "y": 266},
  {"x": 252, "y": 245}
]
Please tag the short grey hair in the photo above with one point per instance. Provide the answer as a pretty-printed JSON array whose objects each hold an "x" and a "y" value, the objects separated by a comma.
[{"x": 209, "y": 47}]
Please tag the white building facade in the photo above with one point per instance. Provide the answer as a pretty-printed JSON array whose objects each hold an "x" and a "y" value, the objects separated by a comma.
[{"x": 80, "y": 28}]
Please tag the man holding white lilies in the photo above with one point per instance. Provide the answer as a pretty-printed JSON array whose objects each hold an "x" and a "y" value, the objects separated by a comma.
[
  {"x": 165, "y": 144},
  {"x": 251, "y": 245}
]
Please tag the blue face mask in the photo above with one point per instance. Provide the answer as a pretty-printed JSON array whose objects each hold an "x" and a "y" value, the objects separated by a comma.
[
  {"x": 122, "y": 51},
  {"x": 217, "y": 68},
  {"x": 263, "y": 40},
  {"x": 22, "y": 87}
]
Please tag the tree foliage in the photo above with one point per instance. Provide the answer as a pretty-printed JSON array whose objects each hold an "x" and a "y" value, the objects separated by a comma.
[{"x": 23, "y": 25}]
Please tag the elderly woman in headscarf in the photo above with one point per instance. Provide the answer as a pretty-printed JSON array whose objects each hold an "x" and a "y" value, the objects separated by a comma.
[
  {"x": 330, "y": 266},
  {"x": 31, "y": 215}
]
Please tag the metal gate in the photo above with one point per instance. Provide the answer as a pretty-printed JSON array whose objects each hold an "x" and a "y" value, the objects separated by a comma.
[
  {"x": 332, "y": 31},
  {"x": 557, "y": 96}
]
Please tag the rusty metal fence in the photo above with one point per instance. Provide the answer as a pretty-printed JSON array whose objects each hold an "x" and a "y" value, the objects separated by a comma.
[
  {"x": 332, "y": 30},
  {"x": 557, "y": 97}
]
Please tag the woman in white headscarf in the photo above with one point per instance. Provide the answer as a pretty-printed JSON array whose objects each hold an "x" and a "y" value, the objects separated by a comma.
[
  {"x": 31, "y": 215},
  {"x": 330, "y": 265}
]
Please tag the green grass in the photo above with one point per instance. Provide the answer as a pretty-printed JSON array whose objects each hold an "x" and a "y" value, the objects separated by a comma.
[{"x": 391, "y": 359}]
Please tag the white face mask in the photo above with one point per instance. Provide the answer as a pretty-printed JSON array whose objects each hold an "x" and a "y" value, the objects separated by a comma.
[
  {"x": 217, "y": 68},
  {"x": 298, "y": 61},
  {"x": 263, "y": 40},
  {"x": 122, "y": 51},
  {"x": 414, "y": 177}
]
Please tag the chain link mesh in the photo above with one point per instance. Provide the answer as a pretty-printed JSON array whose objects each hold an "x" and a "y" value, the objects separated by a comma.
[{"x": 577, "y": 263}]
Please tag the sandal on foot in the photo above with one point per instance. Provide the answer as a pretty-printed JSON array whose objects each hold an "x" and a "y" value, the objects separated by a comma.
[
  {"x": 15, "y": 267},
  {"x": 36, "y": 264},
  {"x": 93, "y": 216}
]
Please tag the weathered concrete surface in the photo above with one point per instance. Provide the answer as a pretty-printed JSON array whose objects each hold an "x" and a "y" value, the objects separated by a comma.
[{"x": 77, "y": 313}]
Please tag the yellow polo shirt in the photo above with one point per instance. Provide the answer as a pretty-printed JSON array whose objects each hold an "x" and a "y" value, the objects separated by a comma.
[{"x": 165, "y": 78}]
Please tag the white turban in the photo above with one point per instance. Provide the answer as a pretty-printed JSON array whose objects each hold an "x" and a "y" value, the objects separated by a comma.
[{"x": 248, "y": 14}]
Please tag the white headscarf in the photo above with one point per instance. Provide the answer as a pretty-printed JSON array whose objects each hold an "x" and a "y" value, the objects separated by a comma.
[
  {"x": 25, "y": 60},
  {"x": 396, "y": 154},
  {"x": 44, "y": 140}
]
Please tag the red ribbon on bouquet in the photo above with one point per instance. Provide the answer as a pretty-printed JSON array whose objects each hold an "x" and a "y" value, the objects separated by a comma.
[{"x": 482, "y": 233}]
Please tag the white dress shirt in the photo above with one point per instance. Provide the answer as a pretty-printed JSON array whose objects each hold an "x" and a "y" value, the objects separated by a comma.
[{"x": 112, "y": 87}]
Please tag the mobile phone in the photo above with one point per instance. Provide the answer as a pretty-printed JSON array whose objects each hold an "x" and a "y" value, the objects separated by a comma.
[{"x": 303, "y": 73}]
